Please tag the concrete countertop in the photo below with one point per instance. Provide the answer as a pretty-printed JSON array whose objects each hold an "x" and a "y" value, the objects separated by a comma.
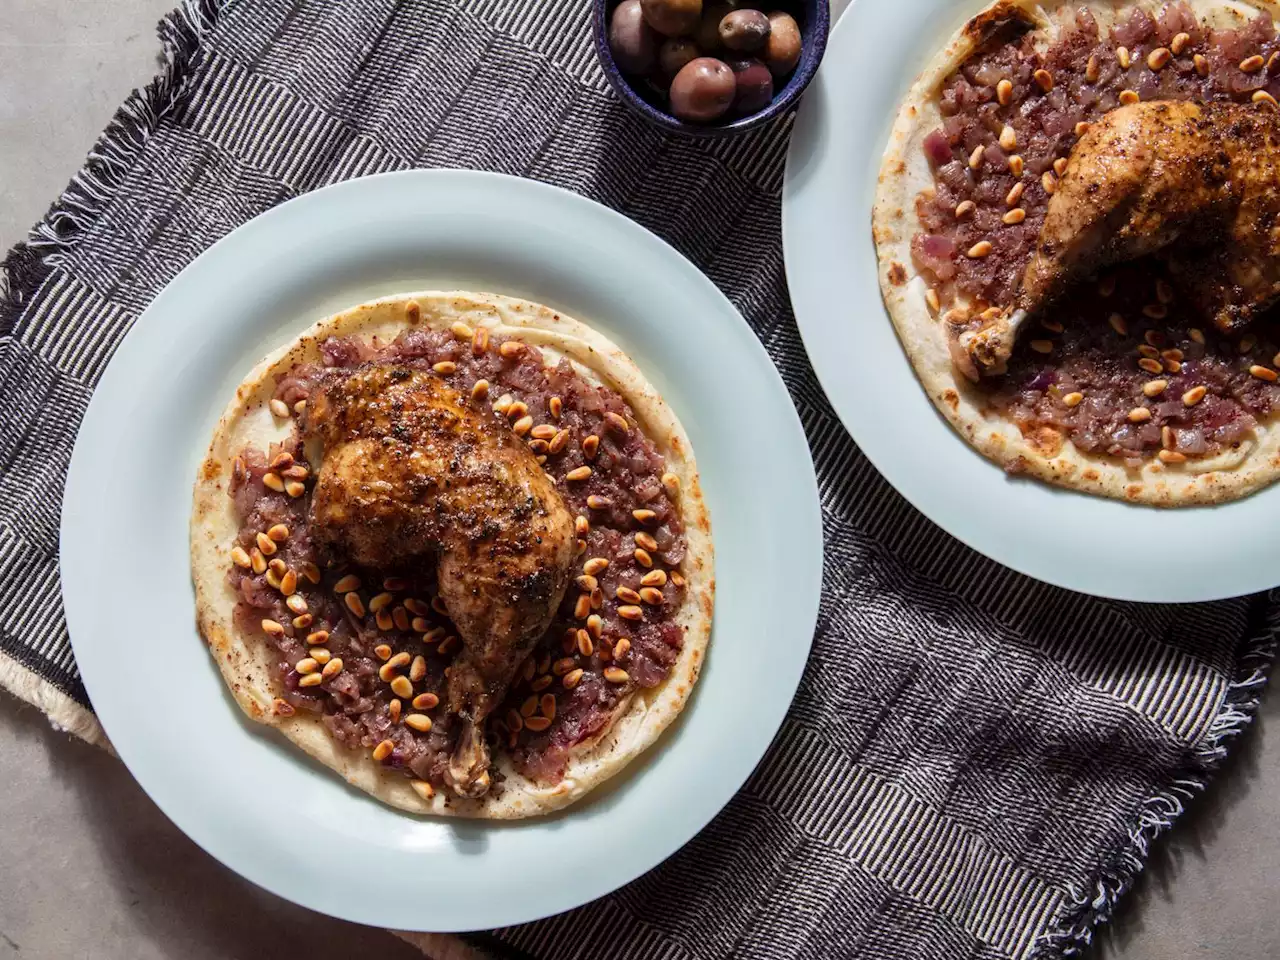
[{"x": 91, "y": 869}]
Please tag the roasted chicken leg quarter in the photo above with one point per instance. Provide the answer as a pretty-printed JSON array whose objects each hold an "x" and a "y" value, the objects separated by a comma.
[
  {"x": 412, "y": 471},
  {"x": 1198, "y": 182}
]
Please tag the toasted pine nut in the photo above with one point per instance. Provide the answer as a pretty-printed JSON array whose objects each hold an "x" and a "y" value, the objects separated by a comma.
[
  {"x": 383, "y": 750},
  {"x": 1263, "y": 373}
]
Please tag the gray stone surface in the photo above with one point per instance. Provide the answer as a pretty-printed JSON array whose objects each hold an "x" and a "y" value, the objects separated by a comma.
[{"x": 89, "y": 868}]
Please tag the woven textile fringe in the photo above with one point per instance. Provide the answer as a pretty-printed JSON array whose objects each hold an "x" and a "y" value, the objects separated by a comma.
[
  {"x": 1093, "y": 908},
  {"x": 63, "y": 712},
  {"x": 91, "y": 189}
]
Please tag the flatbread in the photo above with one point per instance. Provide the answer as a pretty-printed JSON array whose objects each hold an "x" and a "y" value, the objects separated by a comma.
[
  {"x": 905, "y": 172},
  {"x": 246, "y": 661}
]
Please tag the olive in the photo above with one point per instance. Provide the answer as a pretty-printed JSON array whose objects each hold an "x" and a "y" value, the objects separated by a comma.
[
  {"x": 782, "y": 49},
  {"x": 708, "y": 32},
  {"x": 674, "y": 53},
  {"x": 672, "y": 18},
  {"x": 631, "y": 41},
  {"x": 744, "y": 30},
  {"x": 753, "y": 85},
  {"x": 702, "y": 90}
]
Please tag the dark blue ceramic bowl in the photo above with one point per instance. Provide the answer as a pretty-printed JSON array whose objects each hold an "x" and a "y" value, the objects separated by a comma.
[{"x": 814, "y": 18}]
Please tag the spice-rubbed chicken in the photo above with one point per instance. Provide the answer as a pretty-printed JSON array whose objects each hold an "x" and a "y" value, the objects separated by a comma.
[
  {"x": 411, "y": 470},
  {"x": 1200, "y": 182}
]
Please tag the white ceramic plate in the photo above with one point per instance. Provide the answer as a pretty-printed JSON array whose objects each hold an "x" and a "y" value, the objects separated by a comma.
[
  {"x": 242, "y": 792},
  {"x": 1085, "y": 543}
]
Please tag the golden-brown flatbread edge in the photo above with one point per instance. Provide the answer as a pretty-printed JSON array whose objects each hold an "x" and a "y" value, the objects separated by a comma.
[
  {"x": 904, "y": 173},
  {"x": 246, "y": 663}
]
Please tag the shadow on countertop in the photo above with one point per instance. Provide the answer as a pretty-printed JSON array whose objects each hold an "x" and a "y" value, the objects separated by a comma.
[{"x": 178, "y": 899}]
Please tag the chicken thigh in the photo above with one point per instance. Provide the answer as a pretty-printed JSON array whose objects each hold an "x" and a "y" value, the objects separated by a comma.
[
  {"x": 411, "y": 471},
  {"x": 1200, "y": 182}
]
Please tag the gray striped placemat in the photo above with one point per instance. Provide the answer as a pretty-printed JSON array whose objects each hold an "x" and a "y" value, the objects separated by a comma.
[{"x": 975, "y": 763}]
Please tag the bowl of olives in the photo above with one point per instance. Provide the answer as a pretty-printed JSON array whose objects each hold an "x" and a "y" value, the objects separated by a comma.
[{"x": 710, "y": 67}]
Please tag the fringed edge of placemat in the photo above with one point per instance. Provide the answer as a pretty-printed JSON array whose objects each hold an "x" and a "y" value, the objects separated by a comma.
[
  {"x": 1072, "y": 933},
  {"x": 93, "y": 187},
  {"x": 63, "y": 712},
  {"x": 442, "y": 946}
]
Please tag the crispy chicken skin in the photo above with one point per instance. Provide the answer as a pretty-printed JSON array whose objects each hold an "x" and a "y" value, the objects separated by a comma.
[
  {"x": 1200, "y": 182},
  {"x": 410, "y": 471}
]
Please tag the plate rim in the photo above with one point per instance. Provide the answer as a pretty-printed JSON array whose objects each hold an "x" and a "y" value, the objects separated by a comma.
[{"x": 806, "y": 515}]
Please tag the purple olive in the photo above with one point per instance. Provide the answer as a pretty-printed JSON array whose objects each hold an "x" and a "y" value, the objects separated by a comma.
[
  {"x": 753, "y": 86},
  {"x": 708, "y": 33},
  {"x": 674, "y": 53},
  {"x": 744, "y": 30},
  {"x": 631, "y": 40},
  {"x": 702, "y": 90},
  {"x": 672, "y": 18},
  {"x": 782, "y": 49}
]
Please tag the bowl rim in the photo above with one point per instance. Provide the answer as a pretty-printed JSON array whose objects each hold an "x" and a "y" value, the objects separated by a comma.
[{"x": 796, "y": 84}]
